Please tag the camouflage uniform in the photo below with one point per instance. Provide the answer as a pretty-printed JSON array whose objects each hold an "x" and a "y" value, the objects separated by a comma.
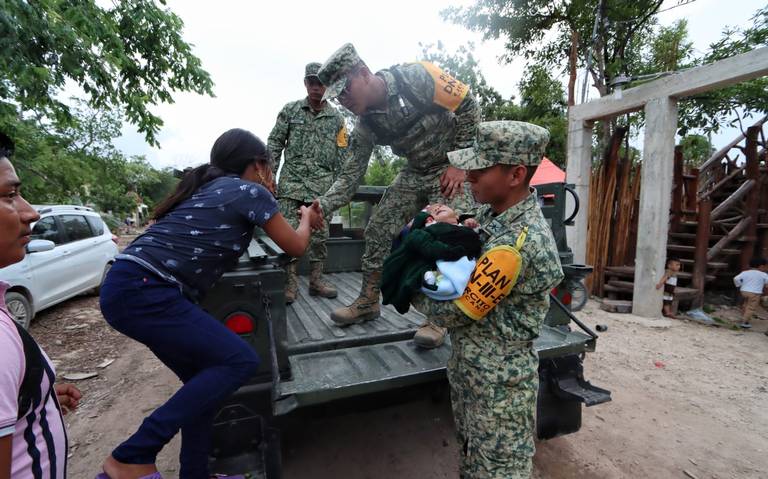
[
  {"x": 493, "y": 369},
  {"x": 428, "y": 114},
  {"x": 315, "y": 146}
]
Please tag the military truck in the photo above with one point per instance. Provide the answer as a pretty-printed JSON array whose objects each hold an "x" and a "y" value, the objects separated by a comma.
[{"x": 307, "y": 360}]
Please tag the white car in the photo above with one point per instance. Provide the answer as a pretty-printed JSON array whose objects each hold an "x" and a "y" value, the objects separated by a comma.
[{"x": 70, "y": 253}]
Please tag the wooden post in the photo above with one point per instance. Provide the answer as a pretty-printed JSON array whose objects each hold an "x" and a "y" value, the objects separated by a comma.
[
  {"x": 655, "y": 199},
  {"x": 691, "y": 196},
  {"x": 677, "y": 191},
  {"x": 699, "y": 277},
  {"x": 752, "y": 169}
]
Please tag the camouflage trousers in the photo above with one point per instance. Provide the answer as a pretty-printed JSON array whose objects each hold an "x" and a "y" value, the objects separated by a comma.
[
  {"x": 317, "y": 250},
  {"x": 408, "y": 194},
  {"x": 495, "y": 415}
]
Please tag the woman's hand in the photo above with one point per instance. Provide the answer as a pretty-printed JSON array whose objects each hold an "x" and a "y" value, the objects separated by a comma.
[
  {"x": 68, "y": 396},
  {"x": 314, "y": 214}
]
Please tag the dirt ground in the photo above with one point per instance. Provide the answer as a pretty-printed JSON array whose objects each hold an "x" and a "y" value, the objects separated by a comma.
[{"x": 688, "y": 401}]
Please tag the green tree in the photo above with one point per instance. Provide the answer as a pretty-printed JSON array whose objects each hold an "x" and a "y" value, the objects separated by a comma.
[
  {"x": 696, "y": 149},
  {"x": 598, "y": 33},
  {"x": 383, "y": 167},
  {"x": 128, "y": 55},
  {"x": 730, "y": 106}
]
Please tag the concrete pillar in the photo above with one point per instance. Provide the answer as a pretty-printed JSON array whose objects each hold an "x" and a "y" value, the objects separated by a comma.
[
  {"x": 578, "y": 171},
  {"x": 655, "y": 200}
]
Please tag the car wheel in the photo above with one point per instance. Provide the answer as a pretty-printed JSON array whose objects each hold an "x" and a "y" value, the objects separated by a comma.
[
  {"x": 97, "y": 289},
  {"x": 19, "y": 307}
]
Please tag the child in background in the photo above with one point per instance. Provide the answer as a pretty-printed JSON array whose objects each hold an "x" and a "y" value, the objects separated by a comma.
[
  {"x": 669, "y": 282},
  {"x": 752, "y": 284}
]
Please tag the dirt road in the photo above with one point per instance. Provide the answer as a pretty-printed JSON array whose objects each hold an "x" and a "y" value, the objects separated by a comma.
[{"x": 688, "y": 401}]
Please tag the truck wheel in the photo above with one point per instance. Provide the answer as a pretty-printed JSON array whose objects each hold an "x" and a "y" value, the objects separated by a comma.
[
  {"x": 19, "y": 307},
  {"x": 579, "y": 296}
]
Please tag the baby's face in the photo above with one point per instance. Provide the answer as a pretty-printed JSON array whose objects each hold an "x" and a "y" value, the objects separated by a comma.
[{"x": 443, "y": 214}]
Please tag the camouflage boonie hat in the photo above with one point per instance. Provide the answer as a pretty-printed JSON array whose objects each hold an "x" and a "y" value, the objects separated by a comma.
[
  {"x": 502, "y": 142},
  {"x": 334, "y": 71},
  {"x": 311, "y": 69}
]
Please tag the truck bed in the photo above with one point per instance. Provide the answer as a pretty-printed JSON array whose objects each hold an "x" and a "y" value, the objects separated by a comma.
[{"x": 310, "y": 329}]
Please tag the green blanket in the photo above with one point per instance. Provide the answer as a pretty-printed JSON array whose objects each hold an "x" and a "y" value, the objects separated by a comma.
[{"x": 404, "y": 268}]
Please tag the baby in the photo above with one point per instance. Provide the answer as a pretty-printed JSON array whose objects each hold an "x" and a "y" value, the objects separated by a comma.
[
  {"x": 435, "y": 254},
  {"x": 440, "y": 213}
]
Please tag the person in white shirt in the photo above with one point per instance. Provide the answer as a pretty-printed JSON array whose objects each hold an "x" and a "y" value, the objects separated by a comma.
[{"x": 752, "y": 283}]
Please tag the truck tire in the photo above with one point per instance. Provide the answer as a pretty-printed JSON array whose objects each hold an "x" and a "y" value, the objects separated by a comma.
[{"x": 20, "y": 308}]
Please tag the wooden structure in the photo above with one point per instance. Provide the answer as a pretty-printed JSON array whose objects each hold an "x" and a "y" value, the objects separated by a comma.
[
  {"x": 659, "y": 101},
  {"x": 718, "y": 219}
]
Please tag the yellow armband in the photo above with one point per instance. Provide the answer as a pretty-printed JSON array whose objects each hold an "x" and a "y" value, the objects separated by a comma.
[{"x": 494, "y": 276}]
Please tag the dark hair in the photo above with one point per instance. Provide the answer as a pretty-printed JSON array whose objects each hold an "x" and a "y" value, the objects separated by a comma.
[
  {"x": 757, "y": 262},
  {"x": 232, "y": 153},
  {"x": 6, "y": 146},
  {"x": 673, "y": 260}
]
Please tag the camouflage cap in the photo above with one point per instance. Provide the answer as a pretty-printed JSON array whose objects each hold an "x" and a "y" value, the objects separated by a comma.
[
  {"x": 502, "y": 142},
  {"x": 334, "y": 71},
  {"x": 311, "y": 69}
]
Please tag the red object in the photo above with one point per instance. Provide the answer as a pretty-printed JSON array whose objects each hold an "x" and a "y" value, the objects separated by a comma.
[
  {"x": 547, "y": 172},
  {"x": 239, "y": 323},
  {"x": 658, "y": 364}
]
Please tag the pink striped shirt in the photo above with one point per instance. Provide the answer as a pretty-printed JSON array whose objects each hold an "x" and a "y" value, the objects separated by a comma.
[{"x": 39, "y": 442}]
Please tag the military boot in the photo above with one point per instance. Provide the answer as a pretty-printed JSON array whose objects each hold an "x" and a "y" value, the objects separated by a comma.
[
  {"x": 317, "y": 285},
  {"x": 291, "y": 282},
  {"x": 365, "y": 307},
  {"x": 429, "y": 336}
]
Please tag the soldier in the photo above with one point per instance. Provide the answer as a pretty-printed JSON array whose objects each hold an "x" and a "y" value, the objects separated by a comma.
[
  {"x": 313, "y": 134},
  {"x": 493, "y": 369},
  {"x": 422, "y": 113}
]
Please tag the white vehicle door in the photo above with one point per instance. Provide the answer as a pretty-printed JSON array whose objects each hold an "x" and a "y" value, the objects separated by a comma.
[
  {"x": 85, "y": 262},
  {"x": 51, "y": 278}
]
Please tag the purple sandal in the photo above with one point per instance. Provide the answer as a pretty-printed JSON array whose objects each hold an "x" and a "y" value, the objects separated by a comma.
[{"x": 154, "y": 475}]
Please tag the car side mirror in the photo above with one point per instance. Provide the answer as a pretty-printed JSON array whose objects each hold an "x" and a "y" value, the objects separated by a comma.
[{"x": 38, "y": 245}]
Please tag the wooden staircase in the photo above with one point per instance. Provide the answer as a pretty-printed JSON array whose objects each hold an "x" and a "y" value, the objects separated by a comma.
[{"x": 718, "y": 221}]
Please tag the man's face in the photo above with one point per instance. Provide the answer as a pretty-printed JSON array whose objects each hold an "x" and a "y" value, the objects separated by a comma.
[
  {"x": 16, "y": 217},
  {"x": 315, "y": 89},
  {"x": 355, "y": 95},
  {"x": 491, "y": 185}
]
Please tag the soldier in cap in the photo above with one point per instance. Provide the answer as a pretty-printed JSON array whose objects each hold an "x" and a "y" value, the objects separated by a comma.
[
  {"x": 312, "y": 135},
  {"x": 493, "y": 369},
  {"x": 422, "y": 113}
]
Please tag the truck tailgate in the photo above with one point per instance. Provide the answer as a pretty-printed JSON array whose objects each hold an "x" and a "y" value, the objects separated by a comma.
[{"x": 324, "y": 376}]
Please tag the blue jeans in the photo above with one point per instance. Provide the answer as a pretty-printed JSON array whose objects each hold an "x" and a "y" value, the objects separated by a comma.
[{"x": 211, "y": 361}]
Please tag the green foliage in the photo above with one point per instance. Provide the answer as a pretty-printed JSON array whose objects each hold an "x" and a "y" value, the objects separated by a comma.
[
  {"x": 731, "y": 105},
  {"x": 527, "y": 27},
  {"x": 129, "y": 55},
  {"x": 696, "y": 149},
  {"x": 383, "y": 168},
  {"x": 80, "y": 165}
]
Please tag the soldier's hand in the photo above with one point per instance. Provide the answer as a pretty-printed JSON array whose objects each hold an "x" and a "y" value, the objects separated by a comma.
[
  {"x": 315, "y": 215},
  {"x": 452, "y": 182}
]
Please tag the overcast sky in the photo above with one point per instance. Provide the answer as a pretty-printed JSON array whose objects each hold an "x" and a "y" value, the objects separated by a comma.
[{"x": 256, "y": 52}]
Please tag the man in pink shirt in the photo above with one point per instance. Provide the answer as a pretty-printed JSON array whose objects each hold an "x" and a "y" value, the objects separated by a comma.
[{"x": 33, "y": 442}]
